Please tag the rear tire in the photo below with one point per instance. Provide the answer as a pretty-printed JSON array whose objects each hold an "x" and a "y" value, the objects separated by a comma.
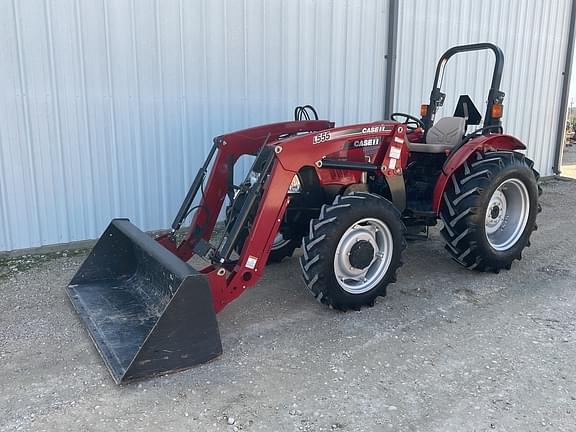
[
  {"x": 489, "y": 210},
  {"x": 353, "y": 250}
]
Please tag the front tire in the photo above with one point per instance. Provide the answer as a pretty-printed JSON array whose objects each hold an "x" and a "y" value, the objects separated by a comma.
[
  {"x": 281, "y": 248},
  {"x": 489, "y": 210},
  {"x": 353, "y": 250}
]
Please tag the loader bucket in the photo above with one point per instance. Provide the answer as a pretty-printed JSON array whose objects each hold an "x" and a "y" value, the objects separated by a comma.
[{"x": 147, "y": 312}]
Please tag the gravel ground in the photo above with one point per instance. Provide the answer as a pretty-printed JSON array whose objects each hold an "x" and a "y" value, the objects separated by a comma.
[{"x": 447, "y": 350}]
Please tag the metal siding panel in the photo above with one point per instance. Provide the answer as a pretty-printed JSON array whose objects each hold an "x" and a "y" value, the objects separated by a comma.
[
  {"x": 110, "y": 106},
  {"x": 533, "y": 36},
  {"x": 10, "y": 159}
]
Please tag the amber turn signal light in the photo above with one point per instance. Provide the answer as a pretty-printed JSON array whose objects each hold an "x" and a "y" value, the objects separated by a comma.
[
  {"x": 497, "y": 110},
  {"x": 423, "y": 110}
]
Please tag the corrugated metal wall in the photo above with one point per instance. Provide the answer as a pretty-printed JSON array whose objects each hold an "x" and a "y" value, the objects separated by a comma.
[
  {"x": 108, "y": 106},
  {"x": 533, "y": 35}
]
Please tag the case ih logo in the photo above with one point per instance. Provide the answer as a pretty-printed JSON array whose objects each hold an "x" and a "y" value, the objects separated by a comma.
[
  {"x": 376, "y": 129},
  {"x": 366, "y": 142}
]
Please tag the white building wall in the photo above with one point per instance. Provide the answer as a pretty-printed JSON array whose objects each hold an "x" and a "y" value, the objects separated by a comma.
[
  {"x": 108, "y": 107},
  {"x": 533, "y": 35}
]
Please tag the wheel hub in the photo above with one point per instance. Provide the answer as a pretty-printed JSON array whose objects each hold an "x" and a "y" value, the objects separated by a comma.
[
  {"x": 361, "y": 254},
  {"x": 507, "y": 214},
  {"x": 496, "y": 213}
]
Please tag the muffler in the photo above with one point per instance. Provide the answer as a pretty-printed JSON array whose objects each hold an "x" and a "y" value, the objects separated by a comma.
[{"x": 147, "y": 311}]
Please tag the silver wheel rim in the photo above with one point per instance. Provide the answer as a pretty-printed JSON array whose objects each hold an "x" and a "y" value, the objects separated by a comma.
[
  {"x": 378, "y": 235},
  {"x": 507, "y": 214},
  {"x": 279, "y": 242}
]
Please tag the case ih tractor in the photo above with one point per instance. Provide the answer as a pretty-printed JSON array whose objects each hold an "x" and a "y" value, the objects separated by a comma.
[{"x": 344, "y": 195}]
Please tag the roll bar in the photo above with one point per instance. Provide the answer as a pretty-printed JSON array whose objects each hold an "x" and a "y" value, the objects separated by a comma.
[{"x": 495, "y": 96}]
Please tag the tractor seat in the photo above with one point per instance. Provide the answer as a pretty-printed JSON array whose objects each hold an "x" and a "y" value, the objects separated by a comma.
[{"x": 443, "y": 136}]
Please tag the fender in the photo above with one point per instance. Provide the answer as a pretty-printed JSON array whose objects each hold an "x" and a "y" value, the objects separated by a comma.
[{"x": 456, "y": 159}]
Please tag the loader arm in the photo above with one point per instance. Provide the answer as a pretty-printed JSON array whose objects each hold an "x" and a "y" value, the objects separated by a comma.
[
  {"x": 228, "y": 149},
  {"x": 147, "y": 311},
  {"x": 281, "y": 160}
]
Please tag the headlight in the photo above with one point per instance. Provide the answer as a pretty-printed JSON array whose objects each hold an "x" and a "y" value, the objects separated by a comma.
[{"x": 295, "y": 186}]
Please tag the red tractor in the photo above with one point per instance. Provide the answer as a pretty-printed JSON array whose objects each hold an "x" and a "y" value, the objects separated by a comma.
[{"x": 345, "y": 195}]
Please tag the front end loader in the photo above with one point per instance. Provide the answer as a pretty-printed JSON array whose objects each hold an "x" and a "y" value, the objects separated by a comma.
[{"x": 347, "y": 196}]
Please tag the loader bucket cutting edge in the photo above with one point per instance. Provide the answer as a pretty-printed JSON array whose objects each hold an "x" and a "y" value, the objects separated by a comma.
[{"x": 147, "y": 312}]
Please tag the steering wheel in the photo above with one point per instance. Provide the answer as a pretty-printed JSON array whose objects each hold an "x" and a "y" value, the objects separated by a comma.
[{"x": 412, "y": 123}]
